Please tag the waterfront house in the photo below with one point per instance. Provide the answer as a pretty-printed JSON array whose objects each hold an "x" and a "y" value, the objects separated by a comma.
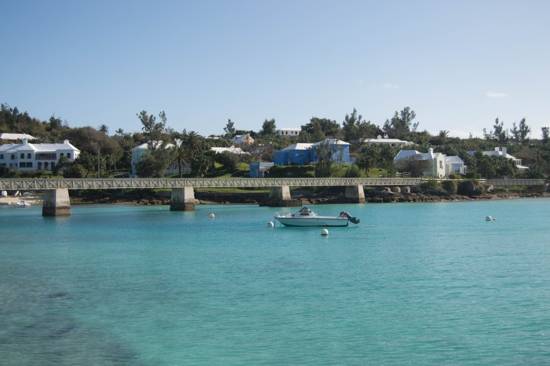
[
  {"x": 307, "y": 153},
  {"x": 258, "y": 168},
  {"x": 385, "y": 141},
  {"x": 29, "y": 157},
  {"x": 502, "y": 152},
  {"x": 430, "y": 164},
  {"x": 292, "y": 132},
  {"x": 245, "y": 139},
  {"x": 139, "y": 152}
]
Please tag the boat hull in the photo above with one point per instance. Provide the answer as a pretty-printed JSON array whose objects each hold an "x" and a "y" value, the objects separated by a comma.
[{"x": 318, "y": 221}]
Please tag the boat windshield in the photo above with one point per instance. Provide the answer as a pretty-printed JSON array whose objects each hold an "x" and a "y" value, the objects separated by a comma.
[{"x": 305, "y": 212}]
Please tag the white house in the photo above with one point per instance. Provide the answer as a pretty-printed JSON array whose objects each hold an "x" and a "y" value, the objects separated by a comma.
[
  {"x": 288, "y": 131},
  {"x": 385, "y": 141},
  {"x": 28, "y": 157},
  {"x": 139, "y": 151},
  {"x": 433, "y": 164},
  {"x": 501, "y": 152},
  {"x": 16, "y": 137}
]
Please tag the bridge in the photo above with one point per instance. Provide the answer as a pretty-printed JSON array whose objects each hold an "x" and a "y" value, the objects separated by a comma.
[{"x": 57, "y": 201}]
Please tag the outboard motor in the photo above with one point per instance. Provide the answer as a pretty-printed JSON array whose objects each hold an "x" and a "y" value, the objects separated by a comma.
[{"x": 352, "y": 219}]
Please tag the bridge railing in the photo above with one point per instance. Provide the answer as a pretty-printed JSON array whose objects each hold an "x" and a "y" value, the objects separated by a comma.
[{"x": 170, "y": 183}]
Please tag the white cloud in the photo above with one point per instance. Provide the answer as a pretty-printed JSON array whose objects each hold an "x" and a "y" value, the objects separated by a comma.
[
  {"x": 495, "y": 94},
  {"x": 390, "y": 86}
]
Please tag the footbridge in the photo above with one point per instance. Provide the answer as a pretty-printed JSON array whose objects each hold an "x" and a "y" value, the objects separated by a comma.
[{"x": 57, "y": 201}]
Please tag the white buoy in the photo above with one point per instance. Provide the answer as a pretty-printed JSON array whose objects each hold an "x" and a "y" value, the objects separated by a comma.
[
  {"x": 270, "y": 224},
  {"x": 324, "y": 232},
  {"x": 211, "y": 215}
]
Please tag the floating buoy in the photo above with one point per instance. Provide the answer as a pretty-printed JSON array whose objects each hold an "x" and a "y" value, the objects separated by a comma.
[
  {"x": 324, "y": 232},
  {"x": 211, "y": 215},
  {"x": 270, "y": 224}
]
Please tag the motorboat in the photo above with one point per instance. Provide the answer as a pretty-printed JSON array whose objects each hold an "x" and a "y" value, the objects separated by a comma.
[
  {"x": 306, "y": 217},
  {"x": 22, "y": 204}
]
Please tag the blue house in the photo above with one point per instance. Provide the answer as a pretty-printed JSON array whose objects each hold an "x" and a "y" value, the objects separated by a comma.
[{"x": 306, "y": 153}]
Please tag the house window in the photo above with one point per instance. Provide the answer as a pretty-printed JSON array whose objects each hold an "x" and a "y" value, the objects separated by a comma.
[
  {"x": 2, "y": 156},
  {"x": 22, "y": 156},
  {"x": 12, "y": 156},
  {"x": 28, "y": 155},
  {"x": 69, "y": 155},
  {"x": 39, "y": 165},
  {"x": 46, "y": 156},
  {"x": 45, "y": 165}
]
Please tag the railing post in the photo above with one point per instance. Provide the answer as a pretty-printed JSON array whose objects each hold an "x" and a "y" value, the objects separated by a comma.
[
  {"x": 182, "y": 199},
  {"x": 56, "y": 202}
]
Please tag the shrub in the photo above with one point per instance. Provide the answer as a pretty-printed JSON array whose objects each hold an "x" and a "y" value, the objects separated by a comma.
[
  {"x": 354, "y": 172},
  {"x": 470, "y": 188},
  {"x": 291, "y": 171},
  {"x": 449, "y": 186},
  {"x": 430, "y": 186}
]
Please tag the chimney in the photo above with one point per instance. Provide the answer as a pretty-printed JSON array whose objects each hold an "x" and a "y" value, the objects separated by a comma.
[
  {"x": 66, "y": 142},
  {"x": 25, "y": 141}
]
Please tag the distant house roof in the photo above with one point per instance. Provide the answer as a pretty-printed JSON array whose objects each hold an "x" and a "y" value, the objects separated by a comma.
[
  {"x": 156, "y": 144},
  {"x": 453, "y": 160},
  {"x": 299, "y": 146},
  {"x": 232, "y": 150},
  {"x": 385, "y": 140},
  {"x": 16, "y": 136},
  {"x": 408, "y": 154},
  {"x": 331, "y": 142}
]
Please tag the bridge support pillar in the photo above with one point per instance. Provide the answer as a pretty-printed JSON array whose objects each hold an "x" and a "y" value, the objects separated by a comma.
[
  {"x": 182, "y": 199},
  {"x": 355, "y": 194},
  {"x": 280, "y": 197},
  {"x": 56, "y": 202}
]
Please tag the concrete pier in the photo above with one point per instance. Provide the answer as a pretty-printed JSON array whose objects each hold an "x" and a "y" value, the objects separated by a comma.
[
  {"x": 182, "y": 199},
  {"x": 56, "y": 203},
  {"x": 355, "y": 194},
  {"x": 280, "y": 197}
]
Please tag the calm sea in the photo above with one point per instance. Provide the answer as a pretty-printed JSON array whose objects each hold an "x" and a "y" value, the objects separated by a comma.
[{"x": 416, "y": 284}]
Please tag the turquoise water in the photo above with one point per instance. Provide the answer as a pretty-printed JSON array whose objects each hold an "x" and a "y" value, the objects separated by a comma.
[{"x": 418, "y": 284}]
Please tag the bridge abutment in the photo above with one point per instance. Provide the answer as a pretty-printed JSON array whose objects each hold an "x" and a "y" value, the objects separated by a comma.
[
  {"x": 280, "y": 197},
  {"x": 355, "y": 194},
  {"x": 182, "y": 199},
  {"x": 56, "y": 202}
]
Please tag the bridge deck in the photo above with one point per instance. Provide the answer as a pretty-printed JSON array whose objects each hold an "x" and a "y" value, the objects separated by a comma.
[{"x": 26, "y": 184}]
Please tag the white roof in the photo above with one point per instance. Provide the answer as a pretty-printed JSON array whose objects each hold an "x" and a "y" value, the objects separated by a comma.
[
  {"x": 407, "y": 154},
  {"x": 385, "y": 140},
  {"x": 299, "y": 146},
  {"x": 332, "y": 142},
  {"x": 16, "y": 136},
  {"x": 454, "y": 160},
  {"x": 232, "y": 150},
  {"x": 289, "y": 129},
  {"x": 12, "y": 148}
]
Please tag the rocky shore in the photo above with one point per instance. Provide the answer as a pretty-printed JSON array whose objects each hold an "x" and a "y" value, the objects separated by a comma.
[{"x": 313, "y": 196}]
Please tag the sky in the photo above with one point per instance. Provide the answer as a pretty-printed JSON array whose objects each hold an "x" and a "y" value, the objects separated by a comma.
[{"x": 458, "y": 64}]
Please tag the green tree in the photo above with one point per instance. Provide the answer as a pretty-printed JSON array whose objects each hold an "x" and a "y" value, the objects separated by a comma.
[
  {"x": 268, "y": 127},
  {"x": 324, "y": 160},
  {"x": 229, "y": 129},
  {"x": 498, "y": 133},
  {"x": 521, "y": 132},
  {"x": 319, "y": 128},
  {"x": 401, "y": 124},
  {"x": 545, "y": 134},
  {"x": 154, "y": 131}
]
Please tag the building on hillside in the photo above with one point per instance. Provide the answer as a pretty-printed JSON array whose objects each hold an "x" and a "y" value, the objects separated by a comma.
[
  {"x": 430, "y": 164},
  {"x": 288, "y": 131},
  {"x": 29, "y": 157},
  {"x": 245, "y": 139},
  {"x": 307, "y": 153},
  {"x": 16, "y": 137},
  {"x": 258, "y": 168},
  {"x": 454, "y": 165},
  {"x": 139, "y": 151},
  {"x": 385, "y": 141},
  {"x": 502, "y": 152},
  {"x": 231, "y": 150}
]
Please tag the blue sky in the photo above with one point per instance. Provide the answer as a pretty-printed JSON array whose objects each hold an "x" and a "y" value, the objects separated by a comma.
[{"x": 458, "y": 64}]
